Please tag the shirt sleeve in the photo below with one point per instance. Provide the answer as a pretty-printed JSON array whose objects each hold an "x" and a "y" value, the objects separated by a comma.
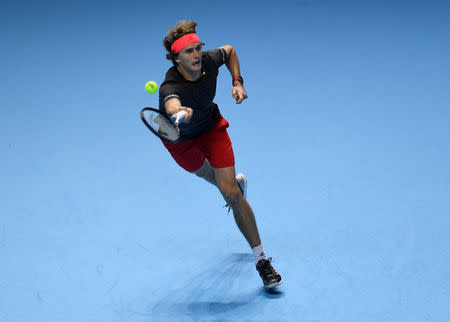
[
  {"x": 166, "y": 92},
  {"x": 218, "y": 56}
]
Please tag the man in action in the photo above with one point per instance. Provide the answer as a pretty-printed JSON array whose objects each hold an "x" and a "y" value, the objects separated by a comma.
[{"x": 204, "y": 147}]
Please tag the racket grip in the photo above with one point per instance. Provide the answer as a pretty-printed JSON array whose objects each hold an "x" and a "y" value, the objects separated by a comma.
[{"x": 177, "y": 117}]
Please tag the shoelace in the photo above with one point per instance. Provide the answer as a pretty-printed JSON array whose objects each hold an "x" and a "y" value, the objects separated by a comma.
[
  {"x": 267, "y": 267},
  {"x": 227, "y": 205}
]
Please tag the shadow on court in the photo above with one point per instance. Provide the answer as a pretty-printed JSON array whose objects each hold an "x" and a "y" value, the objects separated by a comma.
[{"x": 229, "y": 288}]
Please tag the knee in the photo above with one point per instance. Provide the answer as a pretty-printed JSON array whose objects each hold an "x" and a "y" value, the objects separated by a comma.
[
  {"x": 231, "y": 192},
  {"x": 206, "y": 172},
  {"x": 200, "y": 173}
]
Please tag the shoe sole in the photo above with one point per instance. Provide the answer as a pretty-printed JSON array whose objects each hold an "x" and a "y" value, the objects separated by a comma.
[
  {"x": 244, "y": 189},
  {"x": 273, "y": 284}
]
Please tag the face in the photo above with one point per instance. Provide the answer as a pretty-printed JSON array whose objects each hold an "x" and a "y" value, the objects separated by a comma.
[{"x": 190, "y": 57}]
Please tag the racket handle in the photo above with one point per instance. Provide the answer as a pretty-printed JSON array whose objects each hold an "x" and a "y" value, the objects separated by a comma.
[{"x": 177, "y": 117}]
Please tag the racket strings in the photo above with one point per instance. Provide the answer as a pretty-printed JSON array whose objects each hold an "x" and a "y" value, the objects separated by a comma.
[{"x": 161, "y": 125}]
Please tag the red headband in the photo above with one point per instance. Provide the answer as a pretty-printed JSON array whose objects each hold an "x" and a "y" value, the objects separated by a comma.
[{"x": 182, "y": 42}]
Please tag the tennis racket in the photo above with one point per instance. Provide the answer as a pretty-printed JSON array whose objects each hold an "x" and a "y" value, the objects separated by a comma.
[{"x": 163, "y": 125}]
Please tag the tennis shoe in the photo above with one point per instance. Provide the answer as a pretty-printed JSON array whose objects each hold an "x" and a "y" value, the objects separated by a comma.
[
  {"x": 269, "y": 275},
  {"x": 242, "y": 181}
]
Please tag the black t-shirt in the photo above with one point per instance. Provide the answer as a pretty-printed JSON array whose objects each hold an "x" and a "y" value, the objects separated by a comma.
[{"x": 197, "y": 95}]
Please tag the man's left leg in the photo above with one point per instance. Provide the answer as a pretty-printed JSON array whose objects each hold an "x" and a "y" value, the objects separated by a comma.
[
  {"x": 218, "y": 150},
  {"x": 243, "y": 214},
  {"x": 206, "y": 172},
  {"x": 245, "y": 220}
]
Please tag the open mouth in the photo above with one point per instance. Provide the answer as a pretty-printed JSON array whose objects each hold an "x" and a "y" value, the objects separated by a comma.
[{"x": 197, "y": 63}]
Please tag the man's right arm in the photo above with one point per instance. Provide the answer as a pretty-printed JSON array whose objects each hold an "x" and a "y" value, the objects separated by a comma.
[{"x": 173, "y": 106}]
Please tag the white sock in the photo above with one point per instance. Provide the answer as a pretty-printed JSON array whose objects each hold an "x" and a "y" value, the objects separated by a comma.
[{"x": 258, "y": 253}]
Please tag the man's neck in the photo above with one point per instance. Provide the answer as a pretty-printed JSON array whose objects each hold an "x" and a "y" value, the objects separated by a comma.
[{"x": 189, "y": 75}]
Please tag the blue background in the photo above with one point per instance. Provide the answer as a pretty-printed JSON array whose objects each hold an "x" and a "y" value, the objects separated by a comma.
[{"x": 345, "y": 141}]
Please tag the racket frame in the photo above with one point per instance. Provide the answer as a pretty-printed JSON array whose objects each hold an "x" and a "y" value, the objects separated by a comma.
[{"x": 163, "y": 114}]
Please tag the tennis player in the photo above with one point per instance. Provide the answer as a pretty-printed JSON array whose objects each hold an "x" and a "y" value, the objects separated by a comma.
[{"x": 204, "y": 147}]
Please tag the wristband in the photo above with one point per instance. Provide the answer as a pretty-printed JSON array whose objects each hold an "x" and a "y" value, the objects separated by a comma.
[{"x": 238, "y": 78}]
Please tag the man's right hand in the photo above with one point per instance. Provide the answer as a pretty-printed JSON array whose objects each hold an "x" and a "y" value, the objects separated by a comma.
[
  {"x": 173, "y": 106},
  {"x": 189, "y": 113}
]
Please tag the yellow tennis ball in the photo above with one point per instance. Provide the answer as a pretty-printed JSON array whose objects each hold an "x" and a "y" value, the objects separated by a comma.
[{"x": 151, "y": 87}]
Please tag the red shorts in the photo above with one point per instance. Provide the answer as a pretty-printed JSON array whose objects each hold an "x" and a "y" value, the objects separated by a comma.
[{"x": 215, "y": 146}]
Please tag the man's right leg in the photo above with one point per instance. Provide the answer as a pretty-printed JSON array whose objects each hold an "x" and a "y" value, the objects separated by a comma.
[{"x": 207, "y": 172}]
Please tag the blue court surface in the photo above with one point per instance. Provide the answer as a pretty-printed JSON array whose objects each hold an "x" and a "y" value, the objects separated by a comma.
[{"x": 344, "y": 139}]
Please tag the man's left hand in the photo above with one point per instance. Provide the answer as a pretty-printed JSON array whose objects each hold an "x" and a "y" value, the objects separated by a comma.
[{"x": 239, "y": 93}]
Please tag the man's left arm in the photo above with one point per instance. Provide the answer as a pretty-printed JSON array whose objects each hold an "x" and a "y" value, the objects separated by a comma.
[{"x": 232, "y": 63}]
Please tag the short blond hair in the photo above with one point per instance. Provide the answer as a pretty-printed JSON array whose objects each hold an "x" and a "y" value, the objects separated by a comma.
[{"x": 182, "y": 28}]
